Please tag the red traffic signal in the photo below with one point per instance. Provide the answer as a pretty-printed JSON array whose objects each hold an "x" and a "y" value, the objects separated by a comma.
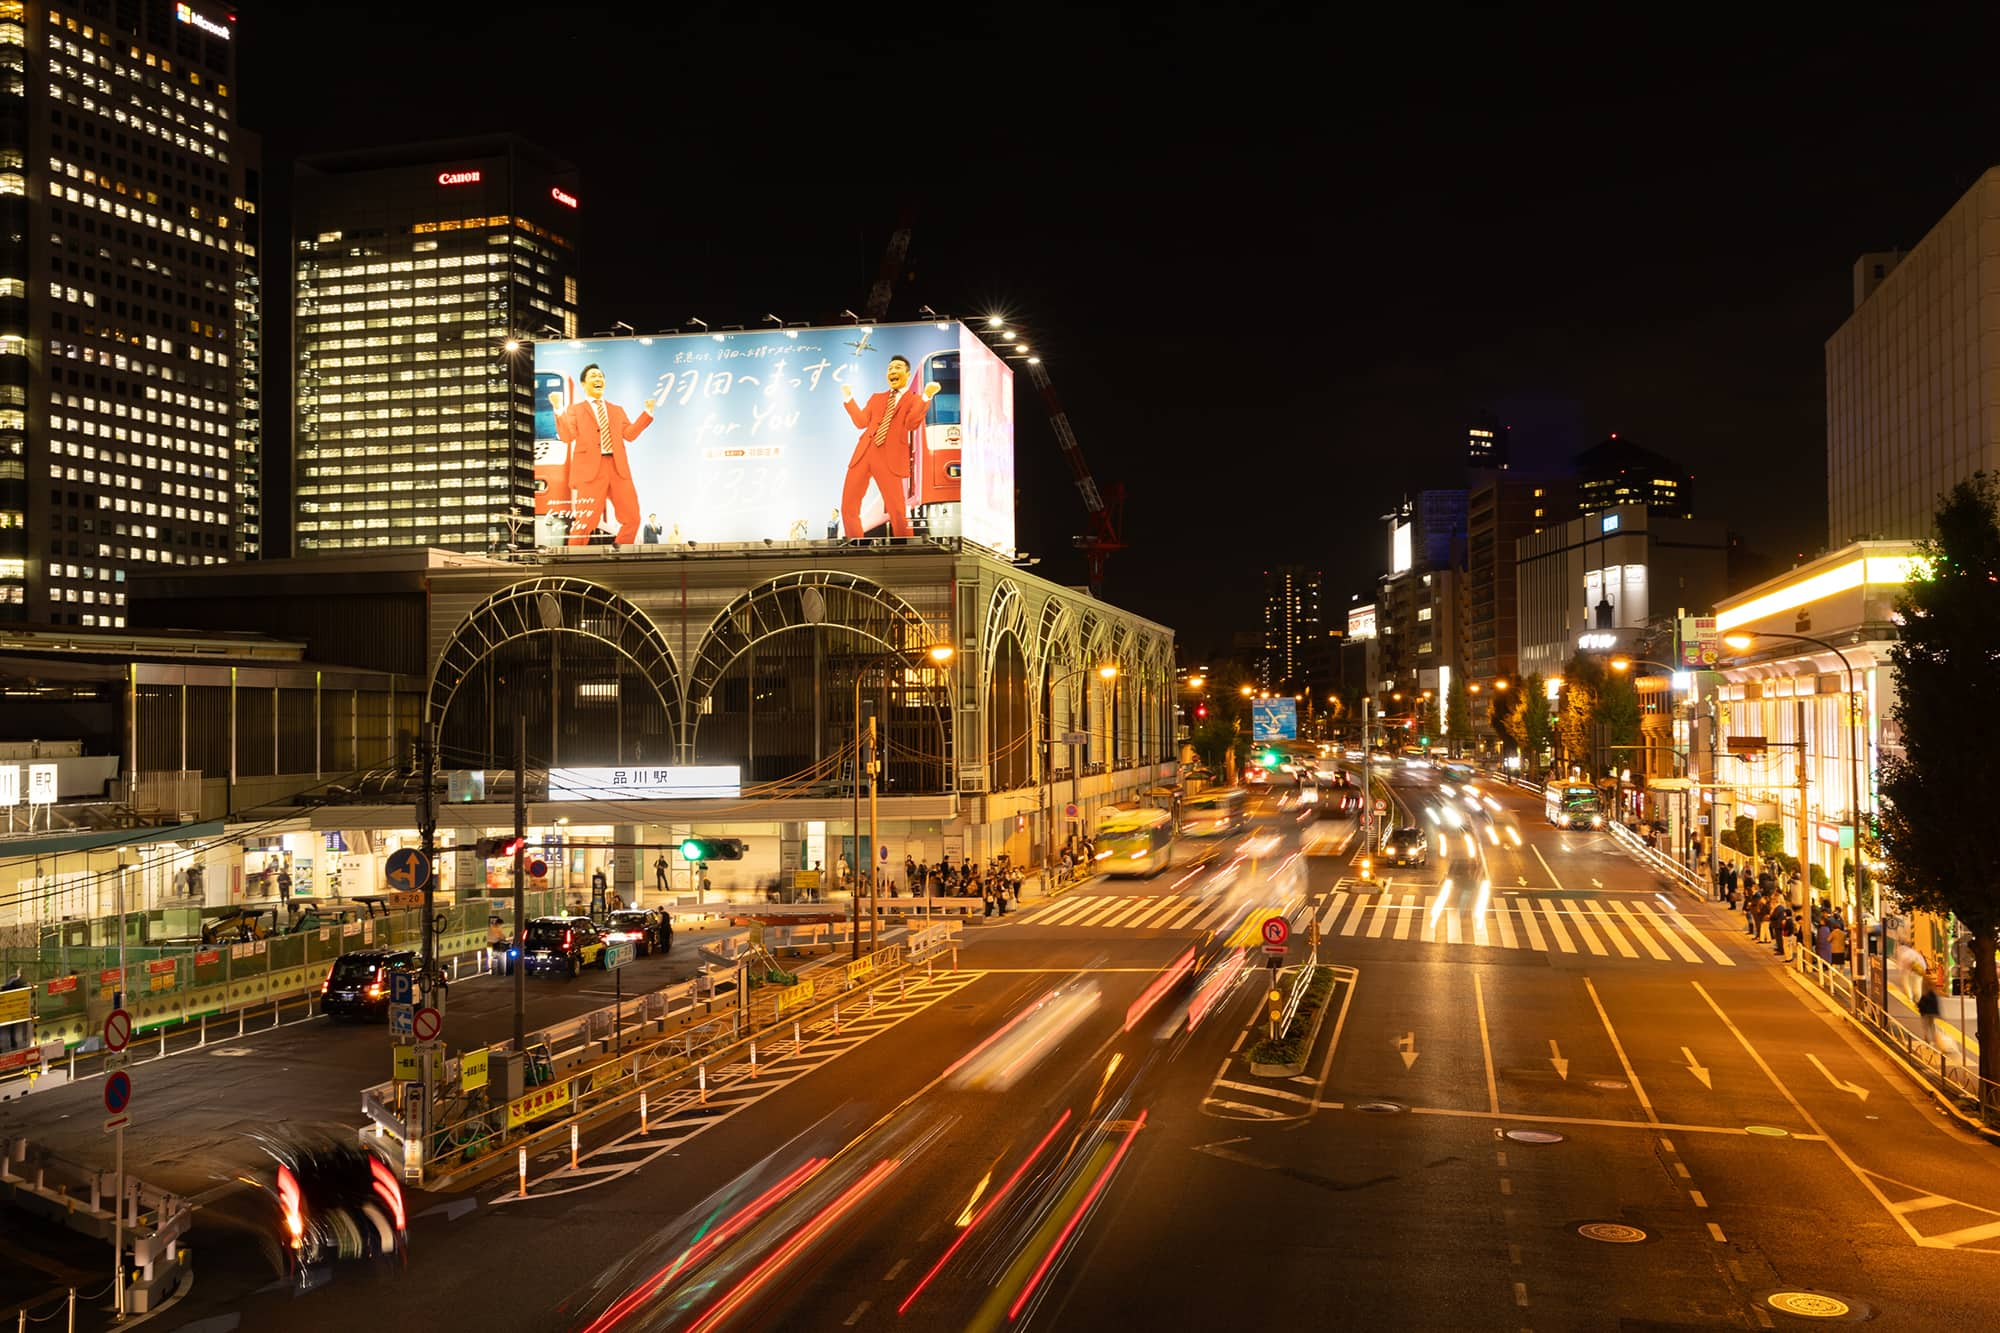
[
  {"x": 492, "y": 848},
  {"x": 1201, "y": 710}
]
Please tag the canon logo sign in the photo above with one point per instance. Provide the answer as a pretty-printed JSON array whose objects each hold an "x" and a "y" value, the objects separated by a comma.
[
  {"x": 458, "y": 178},
  {"x": 566, "y": 200}
]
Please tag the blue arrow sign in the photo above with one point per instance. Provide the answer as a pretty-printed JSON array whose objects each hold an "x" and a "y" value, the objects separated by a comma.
[
  {"x": 407, "y": 870},
  {"x": 117, "y": 1091},
  {"x": 1274, "y": 719}
]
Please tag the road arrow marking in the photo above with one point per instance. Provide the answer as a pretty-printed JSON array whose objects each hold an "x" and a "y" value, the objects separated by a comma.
[
  {"x": 1556, "y": 1059},
  {"x": 1695, "y": 1068},
  {"x": 1842, "y": 1084},
  {"x": 1522, "y": 880},
  {"x": 1220, "y": 1148},
  {"x": 1597, "y": 884},
  {"x": 1407, "y": 1048}
]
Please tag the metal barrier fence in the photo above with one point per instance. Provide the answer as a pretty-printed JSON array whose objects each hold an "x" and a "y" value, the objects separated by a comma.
[
  {"x": 1658, "y": 860},
  {"x": 1956, "y": 1079},
  {"x": 614, "y": 1054},
  {"x": 86, "y": 1200}
]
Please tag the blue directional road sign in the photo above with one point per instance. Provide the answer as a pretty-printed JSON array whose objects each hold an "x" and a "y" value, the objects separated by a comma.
[
  {"x": 407, "y": 870},
  {"x": 1274, "y": 719},
  {"x": 400, "y": 988}
]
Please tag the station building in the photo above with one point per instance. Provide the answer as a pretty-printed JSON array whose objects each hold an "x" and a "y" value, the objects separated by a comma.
[{"x": 664, "y": 692}]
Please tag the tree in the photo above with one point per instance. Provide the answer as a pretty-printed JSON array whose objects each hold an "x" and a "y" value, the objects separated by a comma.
[
  {"x": 1536, "y": 726},
  {"x": 1616, "y": 713},
  {"x": 1458, "y": 714},
  {"x": 1507, "y": 713},
  {"x": 1947, "y": 664},
  {"x": 1576, "y": 721},
  {"x": 1216, "y": 738}
]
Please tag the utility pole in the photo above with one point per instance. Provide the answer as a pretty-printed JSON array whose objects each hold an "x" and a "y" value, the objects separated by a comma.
[
  {"x": 1367, "y": 782},
  {"x": 1805, "y": 833},
  {"x": 874, "y": 902},
  {"x": 521, "y": 884},
  {"x": 853, "y": 892},
  {"x": 427, "y": 830}
]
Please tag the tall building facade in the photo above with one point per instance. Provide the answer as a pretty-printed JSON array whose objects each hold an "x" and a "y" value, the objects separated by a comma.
[
  {"x": 1486, "y": 445},
  {"x": 1499, "y": 513},
  {"x": 122, "y": 183},
  {"x": 1420, "y": 604},
  {"x": 1291, "y": 622},
  {"x": 1913, "y": 376},
  {"x": 422, "y": 275},
  {"x": 1619, "y": 472}
]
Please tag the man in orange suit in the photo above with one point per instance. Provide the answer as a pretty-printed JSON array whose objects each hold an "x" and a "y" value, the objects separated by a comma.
[
  {"x": 888, "y": 421},
  {"x": 596, "y": 432}
]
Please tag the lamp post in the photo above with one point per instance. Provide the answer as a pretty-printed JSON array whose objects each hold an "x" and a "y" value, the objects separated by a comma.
[
  {"x": 866, "y": 765},
  {"x": 1105, "y": 671},
  {"x": 1621, "y": 664},
  {"x": 1741, "y": 641}
]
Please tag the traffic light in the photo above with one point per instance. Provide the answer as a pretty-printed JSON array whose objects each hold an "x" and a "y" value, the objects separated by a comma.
[
  {"x": 1270, "y": 758},
  {"x": 711, "y": 849},
  {"x": 506, "y": 845},
  {"x": 1201, "y": 710}
]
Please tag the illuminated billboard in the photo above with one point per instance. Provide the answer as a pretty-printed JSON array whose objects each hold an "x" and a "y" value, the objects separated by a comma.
[
  {"x": 775, "y": 435},
  {"x": 1399, "y": 546}
]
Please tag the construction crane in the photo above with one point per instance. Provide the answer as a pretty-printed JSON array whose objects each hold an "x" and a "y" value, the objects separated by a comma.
[{"x": 1106, "y": 508}]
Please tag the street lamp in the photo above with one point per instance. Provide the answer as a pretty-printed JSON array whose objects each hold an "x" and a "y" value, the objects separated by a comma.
[
  {"x": 939, "y": 654},
  {"x": 1622, "y": 664},
  {"x": 1741, "y": 641}
]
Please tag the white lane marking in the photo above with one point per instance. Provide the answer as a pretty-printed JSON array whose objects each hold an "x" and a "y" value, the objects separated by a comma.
[
  {"x": 1262, "y": 1111},
  {"x": 1262, "y": 1091},
  {"x": 1545, "y": 865}
]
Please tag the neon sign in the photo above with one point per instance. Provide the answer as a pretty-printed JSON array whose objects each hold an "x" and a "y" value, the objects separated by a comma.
[
  {"x": 458, "y": 178},
  {"x": 557, "y": 193},
  {"x": 186, "y": 14}
]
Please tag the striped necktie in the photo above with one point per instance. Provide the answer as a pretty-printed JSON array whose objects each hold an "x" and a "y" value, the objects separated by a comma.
[
  {"x": 603, "y": 427},
  {"x": 882, "y": 431}
]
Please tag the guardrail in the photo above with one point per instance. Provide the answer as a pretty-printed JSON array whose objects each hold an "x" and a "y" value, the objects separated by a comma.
[
  {"x": 1658, "y": 860},
  {"x": 1298, "y": 995},
  {"x": 1976, "y": 1098},
  {"x": 86, "y": 1200}
]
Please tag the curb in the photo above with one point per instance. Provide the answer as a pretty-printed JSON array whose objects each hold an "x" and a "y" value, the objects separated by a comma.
[{"x": 1305, "y": 1057}]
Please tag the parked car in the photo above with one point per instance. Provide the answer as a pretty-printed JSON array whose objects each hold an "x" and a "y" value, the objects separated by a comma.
[
  {"x": 565, "y": 944},
  {"x": 649, "y": 929},
  {"x": 359, "y": 982}
]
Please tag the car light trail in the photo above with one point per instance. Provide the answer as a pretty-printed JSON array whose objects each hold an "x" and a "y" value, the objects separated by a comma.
[
  {"x": 1444, "y": 896},
  {"x": 1479, "y": 903},
  {"x": 1082, "y": 1209},
  {"x": 1177, "y": 969},
  {"x": 1010, "y": 1025},
  {"x": 991, "y": 1204},
  {"x": 794, "y": 1245},
  {"x": 702, "y": 1248},
  {"x": 1205, "y": 997}
]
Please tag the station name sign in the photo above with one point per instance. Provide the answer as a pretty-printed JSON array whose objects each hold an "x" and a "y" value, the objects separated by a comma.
[{"x": 686, "y": 783}]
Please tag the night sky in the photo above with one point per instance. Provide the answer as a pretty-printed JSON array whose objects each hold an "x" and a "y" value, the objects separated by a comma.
[{"x": 1276, "y": 257}]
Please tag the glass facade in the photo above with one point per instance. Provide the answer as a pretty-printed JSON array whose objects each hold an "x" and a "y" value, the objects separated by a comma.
[
  {"x": 120, "y": 350},
  {"x": 413, "y": 271}
]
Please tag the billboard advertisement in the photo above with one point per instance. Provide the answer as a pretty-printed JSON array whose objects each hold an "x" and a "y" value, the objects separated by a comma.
[{"x": 774, "y": 435}]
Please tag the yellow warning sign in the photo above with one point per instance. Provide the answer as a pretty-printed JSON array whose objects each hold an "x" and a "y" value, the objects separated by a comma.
[
  {"x": 472, "y": 1069},
  {"x": 537, "y": 1104}
]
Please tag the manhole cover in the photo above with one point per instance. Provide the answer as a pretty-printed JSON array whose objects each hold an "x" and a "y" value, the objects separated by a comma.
[
  {"x": 1768, "y": 1131},
  {"x": 230, "y": 1050},
  {"x": 1533, "y": 1136},
  {"x": 1611, "y": 1233},
  {"x": 1817, "y": 1305},
  {"x": 1609, "y": 1084},
  {"x": 1379, "y": 1108}
]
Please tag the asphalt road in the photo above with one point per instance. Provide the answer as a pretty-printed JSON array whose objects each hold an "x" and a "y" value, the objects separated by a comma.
[{"x": 1574, "y": 1101}]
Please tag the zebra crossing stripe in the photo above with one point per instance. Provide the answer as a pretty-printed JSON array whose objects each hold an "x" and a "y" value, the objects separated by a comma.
[
  {"x": 1429, "y": 933},
  {"x": 1585, "y": 932},
  {"x": 1335, "y": 901},
  {"x": 1182, "y": 920},
  {"x": 1610, "y": 928},
  {"x": 1480, "y": 936},
  {"x": 1529, "y": 924},
  {"x": 1722, "y": 959},
  {"x": 1385, "y": 907},
  {"x": 1406, "y": 917},
  {"x": 1556, "y": 926},
  {"x": 1127, "y": 914},
  {"x": 1504, "y": 918},
  {"x": 1638, "y": 932},
  {"x": 1687, "y": 954},
  {"x": 1357, "y": 910},
  {"x": 1451, "y": 934},
  {"x": 1164, "y": 909},
  {"x": 1064, "y": 910}
]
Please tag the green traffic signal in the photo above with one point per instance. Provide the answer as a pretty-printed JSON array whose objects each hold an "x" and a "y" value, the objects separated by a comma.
[{"x": 693, "y": 850}]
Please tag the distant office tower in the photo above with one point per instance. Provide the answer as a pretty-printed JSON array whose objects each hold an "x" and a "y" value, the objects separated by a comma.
[
  {"x": 121, "y": 351},
  {"x": 1486, "y": 444},
  {"x": 1619, "y": 472},
  {"x": 1499, "y": 512},
  {"x": 1913, "y": 375},
  {"x": 414, "y": 269},
  {"x": 1291, "y": 618}
]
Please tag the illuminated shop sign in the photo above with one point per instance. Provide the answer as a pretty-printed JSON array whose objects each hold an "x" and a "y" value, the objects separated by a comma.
[
  {"x": 561, "y": 196},
  {"x": 186, "y": 14},
  {"x": 458, "y": 178},
  {"x": 645, "y": 784}
]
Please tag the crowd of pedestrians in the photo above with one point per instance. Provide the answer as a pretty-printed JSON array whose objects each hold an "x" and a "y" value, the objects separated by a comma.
[{"x": 998, "y": 886}]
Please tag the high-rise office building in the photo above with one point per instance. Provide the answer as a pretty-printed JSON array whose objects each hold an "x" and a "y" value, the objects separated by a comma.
[
  {"x": 1618, "y": 472},
  {"x": 1291, "y": 618},
  {"x": 1499, "y": 513},
  {"x": 1486, "y": 445},
  {"x": 422, "y": 275},
  {"x": 1913, "y": 375},
  {"x": 249, "y": 307},
  {"x": 121, "y": 354}
]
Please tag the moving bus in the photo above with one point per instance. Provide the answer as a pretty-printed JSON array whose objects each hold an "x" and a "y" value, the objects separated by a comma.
[
  {"x": 1573, "y": 805},
  {"x": 1214, "y": 813},
  {"x": 1134, "y": 841}
]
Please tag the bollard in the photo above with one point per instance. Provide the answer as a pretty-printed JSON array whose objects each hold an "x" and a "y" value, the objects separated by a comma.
[
  {"x": 524, "y": 1173},
  {"x": 572, "y": 1145},
  {"x": 72, "y": 1310},
  {"x": 642, "y": 1113},
  {"x": 239, "y": 1020},
  {"x": 795, "y": 1034},
  {"x": 163, "y": 1044},
  {"x": 753, "y": 1059},
  {"x": 902, "y": 985},
  {"x": 204, "y": 1031},
  {"x": 836, "y": 1018},
  {"x": 702, "y": 1076}
]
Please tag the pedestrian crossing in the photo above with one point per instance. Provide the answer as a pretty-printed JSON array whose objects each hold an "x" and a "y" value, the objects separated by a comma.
[
  {"x": 1628, "y": 928},
  {"x": 1115, "y": 911}
]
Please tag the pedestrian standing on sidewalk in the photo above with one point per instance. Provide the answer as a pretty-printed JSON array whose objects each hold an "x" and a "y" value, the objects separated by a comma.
[
  {"x": 1836, "y": 944},
  {"x": 1927, "y": 1009},
  {"x": 1823, "y": 941}
]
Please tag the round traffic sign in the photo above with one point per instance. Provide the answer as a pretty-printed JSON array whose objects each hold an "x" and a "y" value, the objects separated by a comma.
[
  {"x": 117, "y": 1091},
  {"x": 538, "y": 869},
  {"x": 1381, "y": 807},
  {"x": 117, "y": 1030},
  {"x": 407, "y": 870},
  {"x": 1276, "y": 930},
  {"x": 1069, "y": 811},
  {"x": 426, "y": 1024}
]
